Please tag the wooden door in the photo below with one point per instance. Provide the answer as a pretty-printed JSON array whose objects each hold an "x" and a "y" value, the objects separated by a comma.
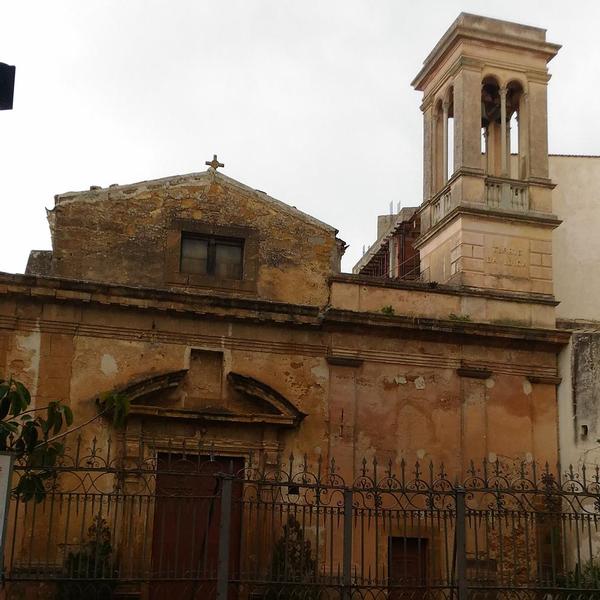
[
  {"x": 185, "y": 542},
  {"x": 407, "y": 567}
]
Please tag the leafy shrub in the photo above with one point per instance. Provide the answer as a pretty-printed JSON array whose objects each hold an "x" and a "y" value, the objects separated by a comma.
[
  {"x": 293, "y": 564},
  {"x": 586, "y": 575},
  {"x": 91, "y": 569}
]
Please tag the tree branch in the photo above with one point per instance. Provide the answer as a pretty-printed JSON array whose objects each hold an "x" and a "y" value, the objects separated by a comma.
[
  {"x": 29, "y": 410},
  {"x": 64, "y": 433}
]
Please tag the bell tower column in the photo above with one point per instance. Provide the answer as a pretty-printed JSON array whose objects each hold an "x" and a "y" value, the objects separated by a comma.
[
  {"x": 503, "y": 133},
  {"x": 538, "y": 127},
  {"x": 467, "y": 120},
  {"x": 428, "y": 162}
]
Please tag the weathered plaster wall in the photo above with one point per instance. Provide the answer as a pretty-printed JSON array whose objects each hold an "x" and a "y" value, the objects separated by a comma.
[
  {"x": 444, "y": 387},
  {"x": 576, "y": 200},
  {"x": 119, "y": 235},
  {"x": 417, "y": 406},
  {"x": 403, "y": 396},
  {"x": 576, "y": 244},
  {"x": 578, "y": 393}
]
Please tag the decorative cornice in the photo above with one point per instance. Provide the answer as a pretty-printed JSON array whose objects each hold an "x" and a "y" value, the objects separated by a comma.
[
  {"x": 504, "y": 336},
  {"x": 540, "y": 219},
  {"x": 326, "y": 320},
  {"x": 161, "y": 382},
  {"x": 159, "y": 299},
  {"x": 461, "y": 30},
  {"x": 206, "y": 415},
  {"x": 465, "y": 330},
  {"x": 253, "y": 388}
]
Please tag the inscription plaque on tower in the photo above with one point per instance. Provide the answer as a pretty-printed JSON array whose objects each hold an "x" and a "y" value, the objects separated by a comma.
[{"x": 507, "y": 256}]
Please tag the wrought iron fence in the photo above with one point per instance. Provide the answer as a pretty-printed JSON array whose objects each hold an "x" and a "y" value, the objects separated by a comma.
[{"x": 166, "y": 519}]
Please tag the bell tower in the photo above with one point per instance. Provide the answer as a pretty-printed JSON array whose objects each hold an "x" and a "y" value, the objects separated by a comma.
[{"x": 486, "y": 216}]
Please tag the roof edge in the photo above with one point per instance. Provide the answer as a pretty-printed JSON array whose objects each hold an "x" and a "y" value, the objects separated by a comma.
[
  {"x": 211, "y": 175},
  {"x": 467, "y": 26}
]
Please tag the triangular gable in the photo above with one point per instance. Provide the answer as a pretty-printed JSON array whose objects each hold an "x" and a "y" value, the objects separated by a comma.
[{"x": 208, "y": 176}]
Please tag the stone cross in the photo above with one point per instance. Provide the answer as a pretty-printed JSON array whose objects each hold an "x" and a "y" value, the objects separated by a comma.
[{"x": 214, "y": 163}]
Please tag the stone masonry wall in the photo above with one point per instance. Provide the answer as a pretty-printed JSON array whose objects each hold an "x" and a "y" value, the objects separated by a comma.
[{"x": 119, "y": 235}]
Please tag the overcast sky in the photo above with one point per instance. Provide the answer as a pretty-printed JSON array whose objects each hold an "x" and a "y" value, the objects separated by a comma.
[{"x": 309, "y": 101}]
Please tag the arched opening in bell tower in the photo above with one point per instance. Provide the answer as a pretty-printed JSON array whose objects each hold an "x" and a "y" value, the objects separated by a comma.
[
  {"x": 443, "y": 140},
  {"x": 450, "y": 136},
  {"x": 491, "y": 124},
  {"x": 516, "y": 158},
  {"x": 502, "y": 135}
]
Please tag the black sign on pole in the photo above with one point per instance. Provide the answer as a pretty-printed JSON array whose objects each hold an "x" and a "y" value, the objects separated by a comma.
[{"x": 7, "y": 86}]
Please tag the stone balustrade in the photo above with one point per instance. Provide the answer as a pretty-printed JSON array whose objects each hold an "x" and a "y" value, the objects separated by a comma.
[
  {"x": 441, "y": 205},
  {"x": 500, "y": 194},
  {"x": 506, "y": 194}
]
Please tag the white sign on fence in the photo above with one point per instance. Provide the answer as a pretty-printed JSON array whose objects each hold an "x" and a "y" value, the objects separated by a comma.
[{"x": 6, "y": 464}]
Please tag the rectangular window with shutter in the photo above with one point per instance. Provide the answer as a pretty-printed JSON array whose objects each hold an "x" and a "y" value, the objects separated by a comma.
[{"x": 214, "y": 256}]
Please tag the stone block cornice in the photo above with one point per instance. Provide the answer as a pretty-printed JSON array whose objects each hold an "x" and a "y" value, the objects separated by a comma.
[
  {"x": 250, "y": 310},
  {"x": 534, "y": 218},
  {"x": 440, "y": 330},
  {"x": 163, "y": 300},
  {"x": 337, "y": 354}
]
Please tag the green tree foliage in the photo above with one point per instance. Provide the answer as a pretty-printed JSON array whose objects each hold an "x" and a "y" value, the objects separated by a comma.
[
  {"x": 115, "y": 405},
  {"x": 34, "y": 435}
]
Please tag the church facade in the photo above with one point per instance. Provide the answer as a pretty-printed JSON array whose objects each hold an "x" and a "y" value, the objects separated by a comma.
[
  {"x": 223, "y": 315},
  {"x": 201, "y": 280}
]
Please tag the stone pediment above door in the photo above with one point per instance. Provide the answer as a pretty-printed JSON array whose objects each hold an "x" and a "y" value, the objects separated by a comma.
[{"x": 241, "y": 400}]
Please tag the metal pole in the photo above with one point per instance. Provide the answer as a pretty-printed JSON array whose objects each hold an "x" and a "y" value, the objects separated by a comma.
[
  {"x": 224, "y": 539},
  {"x": 461, "y": 544},
  {"x": 6, "y": 472},
  {"x": 347, "y": 566}
]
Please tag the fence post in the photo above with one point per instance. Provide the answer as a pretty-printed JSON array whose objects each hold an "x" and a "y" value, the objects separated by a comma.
[
  {"x": 347, "y": 565},
  {"x": 461, "y": 544},
  {"x": 224, "y": 538}
]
